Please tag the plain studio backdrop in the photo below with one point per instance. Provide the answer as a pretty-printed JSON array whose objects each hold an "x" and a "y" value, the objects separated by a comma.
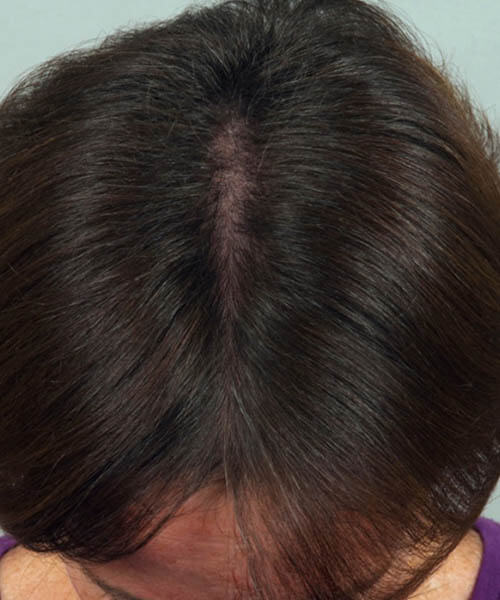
[{"x": 465, "y": 31}]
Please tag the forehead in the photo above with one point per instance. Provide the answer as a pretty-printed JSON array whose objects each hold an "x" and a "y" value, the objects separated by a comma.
[
  {"x": 196, "y": 550},
  {"x": 203, "y": 525}
]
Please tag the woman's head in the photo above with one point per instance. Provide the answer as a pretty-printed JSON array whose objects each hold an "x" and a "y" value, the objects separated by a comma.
[{"x": 253, "y": 249}]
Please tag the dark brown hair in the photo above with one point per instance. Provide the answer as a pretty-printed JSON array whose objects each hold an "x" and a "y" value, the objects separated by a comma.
[{"x": 253, "y": 248}]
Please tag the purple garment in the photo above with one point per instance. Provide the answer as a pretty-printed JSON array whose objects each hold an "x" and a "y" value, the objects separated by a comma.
[
  {"x": 487, "y": 586},
  {"x": 6, "y": 543}
]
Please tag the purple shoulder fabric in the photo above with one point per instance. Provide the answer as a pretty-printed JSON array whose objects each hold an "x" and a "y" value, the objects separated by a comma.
[
  {"x": 487, "y": 585},
  {"x": 6, "y": 543}
]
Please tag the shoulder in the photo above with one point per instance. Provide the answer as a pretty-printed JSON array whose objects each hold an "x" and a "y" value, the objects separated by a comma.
[
  {"x": 26, "y": 575},
  {"x": 456, "y": 576},
  {"x": 466, "y": 565}
]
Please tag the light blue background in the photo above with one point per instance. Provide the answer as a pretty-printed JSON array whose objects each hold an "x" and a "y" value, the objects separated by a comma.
[{"x": 466, "y": 32}]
